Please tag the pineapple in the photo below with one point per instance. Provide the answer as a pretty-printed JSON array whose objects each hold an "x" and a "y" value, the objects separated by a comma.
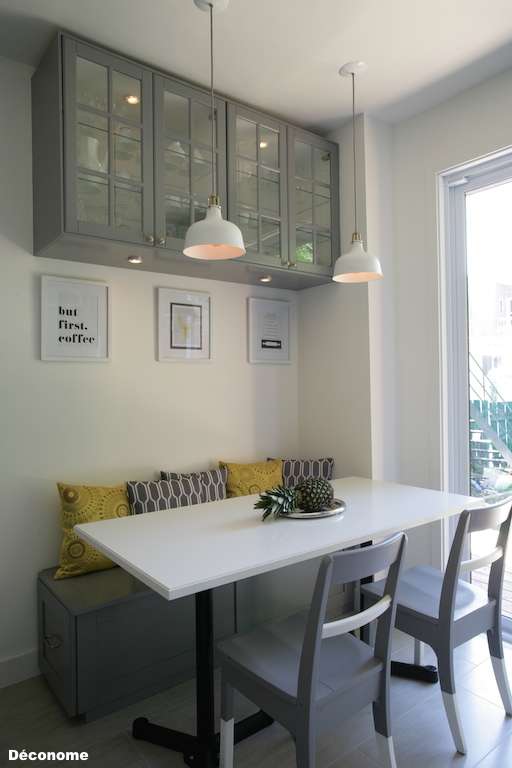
[
  {"x": 315, "y": 493},
  {"x": 312, "y": 495}
]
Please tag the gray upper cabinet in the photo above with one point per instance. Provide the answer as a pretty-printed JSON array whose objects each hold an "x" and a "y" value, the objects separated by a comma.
[
  {"x": 183, "y": 158},
  {"x": 122, "y": 166},
  {"x": 258, "y": 184},
  {"x": 283, "y": 188},
  {"x": 313, "y": 202},
  {"x": 108, "y": 146}
]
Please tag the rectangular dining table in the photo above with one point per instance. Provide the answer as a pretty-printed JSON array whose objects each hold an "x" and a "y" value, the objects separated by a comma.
[{"x": 191, "y": 550}]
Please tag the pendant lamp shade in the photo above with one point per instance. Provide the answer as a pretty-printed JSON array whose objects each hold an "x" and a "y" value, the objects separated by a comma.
[
  {"x": 355, "y": 266},
  {"x": 213, "y": 238}
]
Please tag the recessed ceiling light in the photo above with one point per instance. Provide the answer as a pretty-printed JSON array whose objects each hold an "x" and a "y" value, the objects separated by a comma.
[
  {"x": 132, "y": 99},
  {"x": 135, "y": 259},
  {"x": 265, "y": 279},
  {"x": 263, "y": 144}
]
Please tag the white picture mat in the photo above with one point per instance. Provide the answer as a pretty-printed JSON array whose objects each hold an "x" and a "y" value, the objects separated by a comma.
[
  {"x": 75, "y": 320},
  {"x": 183, "y": 325},
  {"x": 269, "y": 331}
]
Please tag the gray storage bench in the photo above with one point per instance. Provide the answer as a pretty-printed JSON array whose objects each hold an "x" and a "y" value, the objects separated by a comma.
[{"x": 106, "y": 640}]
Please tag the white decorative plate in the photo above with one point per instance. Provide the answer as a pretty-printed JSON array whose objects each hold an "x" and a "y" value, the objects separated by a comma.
[{"x": 334, "y": 508}]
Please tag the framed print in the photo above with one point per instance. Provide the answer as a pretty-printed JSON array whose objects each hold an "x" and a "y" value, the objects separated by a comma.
[
  {"x": 183, "y": 325},
  {"x": 75, "y": 320},
  {"x": 269, "y": 331}
]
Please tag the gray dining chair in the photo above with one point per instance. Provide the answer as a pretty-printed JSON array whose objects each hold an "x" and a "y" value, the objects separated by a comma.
[
  {"x": 444, "y": 611},
  {"x": 309, "y": 674}
]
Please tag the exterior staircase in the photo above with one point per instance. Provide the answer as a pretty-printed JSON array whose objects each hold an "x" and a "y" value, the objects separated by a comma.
[{"x": 490, "y": 426}]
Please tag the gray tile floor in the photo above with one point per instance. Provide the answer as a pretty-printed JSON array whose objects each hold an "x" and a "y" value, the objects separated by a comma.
[{"x": 31, "y": 719}]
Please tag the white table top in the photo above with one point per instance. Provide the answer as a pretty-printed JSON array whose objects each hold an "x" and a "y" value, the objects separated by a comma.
[{"x": 182, "y": 551}]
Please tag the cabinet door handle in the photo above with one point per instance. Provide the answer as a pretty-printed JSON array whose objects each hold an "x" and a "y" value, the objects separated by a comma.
[
  {"x": 161, "y": 240},
  {"x": 290, "y": 264},
  {"x": 150, "y": 238},
  {"x": 49, "y": 644}
]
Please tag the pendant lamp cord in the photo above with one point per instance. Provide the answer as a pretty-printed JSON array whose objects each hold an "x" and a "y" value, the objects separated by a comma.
[
  {"x": 214, "y": 180},
  {"x": 354, "y": 146}
]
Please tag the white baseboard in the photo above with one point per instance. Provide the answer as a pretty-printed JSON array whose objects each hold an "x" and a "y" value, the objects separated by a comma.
[{"x": 18, "y": 668}]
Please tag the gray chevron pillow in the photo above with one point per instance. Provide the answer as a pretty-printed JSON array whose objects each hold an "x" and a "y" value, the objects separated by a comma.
[
  {"x": 297, "y": 470},
  {"x": 162, "y": 494},
  {"x": 212, "y": 482}
]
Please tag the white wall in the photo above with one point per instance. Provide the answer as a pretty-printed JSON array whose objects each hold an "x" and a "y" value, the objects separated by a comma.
[
  {"x": 334, "y": 357},
  {"x": 104, "y": 423}
]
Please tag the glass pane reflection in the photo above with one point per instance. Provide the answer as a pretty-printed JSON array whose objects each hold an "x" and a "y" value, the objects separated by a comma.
[
  {"x": 270, "y": 237},
  {"x": 92, "y": 195},
  {"x": 322, "y": 159},
  {"x": 269, "y": 147},
  {"x": 303, "y": 165},
  {"x": 247, "y": 180},
  {"x": 176, "y": 115},
  {"x": 323, "y": 207},
  {"x": 323, "y": 249},
  {"x": 127, "y": 206},
  {"x": 304, "y": 202},
  {"x": 91, "y": 84},
  {"x": 304, "y": 245},
  {"x": 177, "y": 216},
  {"x": 246, "y": 138},
  {"x": 127, "y": 150},
  {"x": 203, "y": 124},
  {"x": 177, "y": 166},
  {"x": 124, "y": 88},
  {"x": 248, "y": 223},
  {"x": 269, "y": 191}
]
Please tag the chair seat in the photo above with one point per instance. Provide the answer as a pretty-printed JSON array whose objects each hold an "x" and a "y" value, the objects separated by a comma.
[
  {"x": 419, "y": 594},
  {"x": 271, "y": 656}
]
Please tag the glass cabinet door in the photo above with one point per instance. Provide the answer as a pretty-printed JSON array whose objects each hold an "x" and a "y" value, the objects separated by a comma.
[
  {"x": 313, "y": 202},
  {"x": 108, "y": 146},
  {"x": 183, "y": 158},
  {"x": 257, "y": 186}
]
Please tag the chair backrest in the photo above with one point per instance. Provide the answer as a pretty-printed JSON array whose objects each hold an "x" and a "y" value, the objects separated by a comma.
[
  {"x": 342, "y": 568},
  {"x": 472, "y": 521}
]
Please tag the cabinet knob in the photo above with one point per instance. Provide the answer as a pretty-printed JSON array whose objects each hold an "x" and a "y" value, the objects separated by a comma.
[
  {"x": 290, "y": 264},
  {"x": 161, "y": 240},
  {"x": 150, "y": 238},
  {"x": 47, "y": 640}
]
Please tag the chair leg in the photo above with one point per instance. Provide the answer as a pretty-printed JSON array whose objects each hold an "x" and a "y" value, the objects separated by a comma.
[
  {"x": 500, "y": 673},
  {"x": 452, "y": 712},
  {"x": 382, "y": 722},
  {"x": 227, "y": 723},
  {"x": 447, "y": 683},
  {"x": 419, "y": 652},
  {"x": 386, "y": 751},
  {"x": 495, "y": 642},
  {"x": 227, "y": 737},
  {"x": 305, "y": 747}
]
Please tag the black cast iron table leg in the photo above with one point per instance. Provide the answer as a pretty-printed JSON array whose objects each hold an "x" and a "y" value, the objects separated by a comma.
[{"x": 202, "y": 750}]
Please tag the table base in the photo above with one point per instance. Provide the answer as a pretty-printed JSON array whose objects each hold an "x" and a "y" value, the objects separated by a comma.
[
  {"x": 196, "y": 753},
  {"x": 427, "y": 673},
  {"x": 202, "y": 750}
]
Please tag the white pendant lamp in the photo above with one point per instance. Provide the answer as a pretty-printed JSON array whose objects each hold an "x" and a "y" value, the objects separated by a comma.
[
  {"x": 213, "y": 238},
  {"x": 355, "y": 266}
]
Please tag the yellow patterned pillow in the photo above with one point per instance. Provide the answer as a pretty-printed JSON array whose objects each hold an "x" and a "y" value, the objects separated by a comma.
[
  {"x": 86, "y": 504},
  {"x": 244, "y": 479}
]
